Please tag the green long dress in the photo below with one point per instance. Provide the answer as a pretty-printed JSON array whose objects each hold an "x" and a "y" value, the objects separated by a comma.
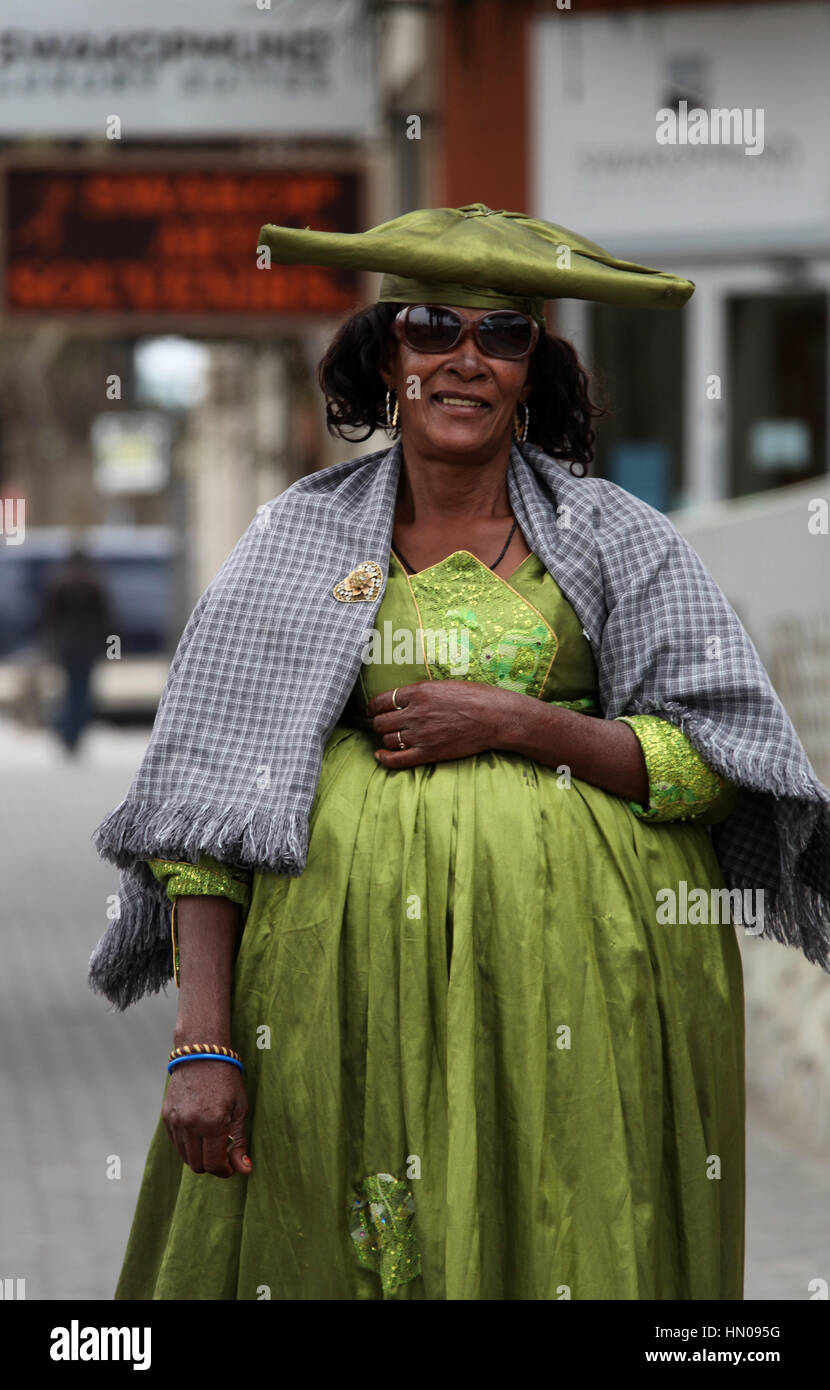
[{"x": 478, "y": 1065}]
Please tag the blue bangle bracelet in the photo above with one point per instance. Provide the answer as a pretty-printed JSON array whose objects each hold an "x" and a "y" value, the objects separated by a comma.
[{"x": 204, "y": 1057}]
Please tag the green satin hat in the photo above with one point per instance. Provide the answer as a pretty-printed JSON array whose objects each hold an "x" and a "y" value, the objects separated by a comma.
[{"x": 478, "y": 258}]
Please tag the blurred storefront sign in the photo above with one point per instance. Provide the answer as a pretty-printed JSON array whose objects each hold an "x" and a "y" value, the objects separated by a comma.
[
  {"x": 300, "y": 67},
  {"x": 131, "y": 450},
  {"x": 697, "y": 139},
  {"x": 169, "y": 241},
  {"x": 757, "y": 172},
  {"x": 783, "y": 444},
  {"x": 644, "y": 469}
]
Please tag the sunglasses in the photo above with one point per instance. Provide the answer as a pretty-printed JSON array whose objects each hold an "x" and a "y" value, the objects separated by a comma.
[{"x": 437, "y": 328}]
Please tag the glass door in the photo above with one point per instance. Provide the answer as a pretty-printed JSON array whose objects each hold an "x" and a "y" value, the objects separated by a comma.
[
  {"x": 638, "y": 359},
  {"x": 776, "y": 389}
]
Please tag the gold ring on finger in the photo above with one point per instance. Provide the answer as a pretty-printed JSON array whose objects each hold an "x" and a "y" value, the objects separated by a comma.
[
  {"x": 401, "y": 743},
  {"x": 395, "y": 704}
]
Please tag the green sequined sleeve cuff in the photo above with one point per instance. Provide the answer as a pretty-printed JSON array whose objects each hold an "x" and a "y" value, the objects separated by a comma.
[
  {"x": 209, "y": 877},
  {"x": 681, "y": 785}
]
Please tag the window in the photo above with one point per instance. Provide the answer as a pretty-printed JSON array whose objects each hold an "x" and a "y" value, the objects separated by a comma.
[
  {"x": 775, "y": 391},
  {"x": 638, "y": 359}
]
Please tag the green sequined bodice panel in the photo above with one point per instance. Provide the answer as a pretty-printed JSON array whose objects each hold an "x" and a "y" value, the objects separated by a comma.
[{"x": 457, "y": 620}]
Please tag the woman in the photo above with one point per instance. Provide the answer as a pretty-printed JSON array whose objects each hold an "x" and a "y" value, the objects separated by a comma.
[{"x": 478, "y": 1063}]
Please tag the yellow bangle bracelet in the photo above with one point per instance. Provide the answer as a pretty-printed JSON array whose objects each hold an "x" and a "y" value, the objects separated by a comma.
[{"x": 195, "y": 1049}]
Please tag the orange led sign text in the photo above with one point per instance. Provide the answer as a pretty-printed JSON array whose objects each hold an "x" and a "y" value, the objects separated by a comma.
[{"x": 169, "y": 242}]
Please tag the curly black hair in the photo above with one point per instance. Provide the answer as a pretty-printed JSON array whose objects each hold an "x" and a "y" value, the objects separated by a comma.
[{"x": 560, "y": 407}]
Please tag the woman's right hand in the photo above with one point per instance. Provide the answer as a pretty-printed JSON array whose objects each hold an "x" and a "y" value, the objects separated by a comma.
[{"x": 205, "y": 1103}]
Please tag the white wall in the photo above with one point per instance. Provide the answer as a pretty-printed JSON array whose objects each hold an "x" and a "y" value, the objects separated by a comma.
[
  {"x": 763, "y": 556},
  {"x": 598, "y": 82}
]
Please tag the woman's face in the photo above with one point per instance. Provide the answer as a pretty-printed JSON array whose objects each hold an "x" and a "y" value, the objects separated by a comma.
[{"x": 456, "y": 402}]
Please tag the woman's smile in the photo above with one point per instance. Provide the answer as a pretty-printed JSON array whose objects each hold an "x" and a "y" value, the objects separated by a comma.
[{"x": 459, "y": 404}]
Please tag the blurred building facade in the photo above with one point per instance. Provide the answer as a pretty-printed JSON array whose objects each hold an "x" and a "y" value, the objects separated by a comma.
[{"x": 132, "y": 213}]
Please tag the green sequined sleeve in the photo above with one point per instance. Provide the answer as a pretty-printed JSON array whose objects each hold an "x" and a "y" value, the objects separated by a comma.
[
  {"x": 681, "y": 785},
  {"x": 209, "y": 877}
]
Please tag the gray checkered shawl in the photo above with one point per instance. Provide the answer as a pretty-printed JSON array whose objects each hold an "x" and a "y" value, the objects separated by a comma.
[{"x": 269, "y": 657}]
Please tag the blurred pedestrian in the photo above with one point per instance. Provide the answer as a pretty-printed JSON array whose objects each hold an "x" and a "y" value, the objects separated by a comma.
[{"x": 73, "y": 624}]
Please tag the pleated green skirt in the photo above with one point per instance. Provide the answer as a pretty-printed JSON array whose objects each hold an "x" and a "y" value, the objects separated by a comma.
[{"x": 477, "y": 1066}]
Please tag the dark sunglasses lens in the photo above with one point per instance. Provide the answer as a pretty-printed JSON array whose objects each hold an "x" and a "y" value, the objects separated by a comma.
[
  {"x": 505, "y": 335},
  {"x": 431, "y": 329}
]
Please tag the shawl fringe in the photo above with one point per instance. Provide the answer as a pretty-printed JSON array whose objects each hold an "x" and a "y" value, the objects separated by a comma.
[
  {"x": 796, "y": 908},
  {"x": 173, "y": 830},
  {"x": 754, "y": 770},
  {"x": 134, "y": 956}
]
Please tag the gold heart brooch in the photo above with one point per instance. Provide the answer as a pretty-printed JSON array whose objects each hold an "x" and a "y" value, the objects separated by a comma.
[{"x": 361, "y": 584}]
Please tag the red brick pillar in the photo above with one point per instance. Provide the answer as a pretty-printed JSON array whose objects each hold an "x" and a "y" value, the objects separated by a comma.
[{"x": 484, "y": 100}]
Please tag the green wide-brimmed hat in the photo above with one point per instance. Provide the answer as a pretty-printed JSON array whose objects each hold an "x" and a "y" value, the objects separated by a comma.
[{"x": 476, "y": 257}]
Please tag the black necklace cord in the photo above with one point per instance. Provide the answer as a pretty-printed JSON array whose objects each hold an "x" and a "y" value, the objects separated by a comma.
[{"x": 492, "y": 567}]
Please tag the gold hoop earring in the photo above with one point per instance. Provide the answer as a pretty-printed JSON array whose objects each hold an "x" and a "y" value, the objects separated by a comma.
[
  {"x": 391, "y": 416},
  {"x": 520, "y": 431}
]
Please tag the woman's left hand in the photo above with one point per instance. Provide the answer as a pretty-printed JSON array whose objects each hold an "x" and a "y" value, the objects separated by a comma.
[{"x": 439, "y": 721}]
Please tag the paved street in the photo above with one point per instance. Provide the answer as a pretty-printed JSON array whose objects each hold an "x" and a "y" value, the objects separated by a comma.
[{"x": 80, "y": 1083}]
